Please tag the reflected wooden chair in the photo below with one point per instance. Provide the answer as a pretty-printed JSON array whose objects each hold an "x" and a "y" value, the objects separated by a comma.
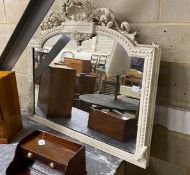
[
  {"x": 102, "y": 61},
  {"x": 108, "y": 87},
  {"x": 100, "y": 70},
  {"x": 94, "y": 62}
]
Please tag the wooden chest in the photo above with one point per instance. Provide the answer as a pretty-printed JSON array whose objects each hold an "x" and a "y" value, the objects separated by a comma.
[
  {"x": 112, "y": 124},
  {"x": 56, "y": 91},
  {"x": 81, "y": 66},
  {"x": 10, "y": 116},
  {"x": 56, "y": 156}
]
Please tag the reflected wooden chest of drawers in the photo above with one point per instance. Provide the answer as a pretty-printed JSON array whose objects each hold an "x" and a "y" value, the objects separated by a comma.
[
  {"x": 56, "y": 91},
  {"x": 85, "y": 84},
  {"x": 56, "y": 156},
  {"x": 10, "y": 117},
  {"x": 81, "y": 66}
]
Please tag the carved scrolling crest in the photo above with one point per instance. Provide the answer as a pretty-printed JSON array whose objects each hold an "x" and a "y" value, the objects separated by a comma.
[{"x": 82, "y": 13}]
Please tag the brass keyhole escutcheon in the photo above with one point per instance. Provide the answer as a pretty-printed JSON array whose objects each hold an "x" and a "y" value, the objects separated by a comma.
[
  {"x": 52, "y": 165},
  {"x": 30, "y": 155}
]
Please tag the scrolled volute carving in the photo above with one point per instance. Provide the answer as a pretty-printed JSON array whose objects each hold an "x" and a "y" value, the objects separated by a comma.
[
  {"x": 143, "y": 153},
  {"x": 105, "y": 17}
]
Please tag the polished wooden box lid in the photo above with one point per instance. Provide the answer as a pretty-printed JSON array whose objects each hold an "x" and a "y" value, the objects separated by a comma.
[{"x": 44, "y": 153}]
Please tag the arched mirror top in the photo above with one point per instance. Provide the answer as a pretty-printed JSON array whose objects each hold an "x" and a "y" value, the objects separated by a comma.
[{"x": 81, "y": 21}]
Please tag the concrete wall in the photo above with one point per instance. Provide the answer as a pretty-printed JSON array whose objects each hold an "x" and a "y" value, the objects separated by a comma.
[
  {"x": 170, "y": 154},
  {"x": 166, "y": 22},
  {"x": 10, "y": 12}
]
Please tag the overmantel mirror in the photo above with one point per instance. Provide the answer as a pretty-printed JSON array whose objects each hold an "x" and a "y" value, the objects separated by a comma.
[{"x": 101, "y": 87}]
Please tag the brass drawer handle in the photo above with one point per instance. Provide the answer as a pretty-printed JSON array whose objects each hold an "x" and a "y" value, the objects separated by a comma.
[
  {"x": 52, "y": 165},
  {"x": 30, "y": 155}
]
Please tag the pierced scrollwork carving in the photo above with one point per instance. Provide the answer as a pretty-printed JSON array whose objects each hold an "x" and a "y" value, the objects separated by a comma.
[
  {"x": 76, "y": 11},
  {"x": 84, "y": 11}
]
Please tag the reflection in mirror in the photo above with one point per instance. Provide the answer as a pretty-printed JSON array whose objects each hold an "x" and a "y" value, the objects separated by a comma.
[{"x": 94, "y": 89}]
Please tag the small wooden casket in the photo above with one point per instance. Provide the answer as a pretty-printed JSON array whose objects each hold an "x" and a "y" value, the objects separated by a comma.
[
  {"x": 112, "y": 124},
  {"x": 42, "y": 153}
]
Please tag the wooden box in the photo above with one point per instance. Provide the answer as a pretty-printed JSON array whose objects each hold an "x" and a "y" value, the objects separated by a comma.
[
  {"x": 56, "y": 91},
  {"x": 112, "y": 124},
  {"x": 10, "y": 116},
  {"x": 56, "y": 157},
  {"x": 81, "y": 66}
]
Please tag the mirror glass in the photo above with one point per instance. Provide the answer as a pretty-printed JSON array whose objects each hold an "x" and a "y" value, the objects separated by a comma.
[{"x": 94, "y": 89}]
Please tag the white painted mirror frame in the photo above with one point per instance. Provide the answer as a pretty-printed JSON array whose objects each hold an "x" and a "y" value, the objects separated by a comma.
[{"x": 151, "y": 54}]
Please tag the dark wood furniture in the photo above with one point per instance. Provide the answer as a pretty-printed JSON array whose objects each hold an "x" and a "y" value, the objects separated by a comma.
[
  {"x": 10, "y": 116},
  {"x": 57, "y": 156},
  {"x": 108, "y": 87},
  {"x": 84, "y": 84},
  {"x": 112, "y": 124},
  {"x": 56, "y": 91},
  {"x": 81, "y": 66}
]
